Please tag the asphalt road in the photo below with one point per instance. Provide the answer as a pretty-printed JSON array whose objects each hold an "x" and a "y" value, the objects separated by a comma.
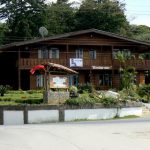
[{"x": 131, "y": 134}]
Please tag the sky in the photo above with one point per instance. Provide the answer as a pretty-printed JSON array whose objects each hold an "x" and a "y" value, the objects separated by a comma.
[{"x": 137, "y": 11}]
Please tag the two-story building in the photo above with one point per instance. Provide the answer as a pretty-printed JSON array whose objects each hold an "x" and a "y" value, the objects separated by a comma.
[{"x": 90, "y": 52}]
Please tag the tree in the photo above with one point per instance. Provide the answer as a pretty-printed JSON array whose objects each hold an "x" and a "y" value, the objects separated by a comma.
[
  {"x": 140, "y": 32},
  {"x": 3, "y": 30},
  {"x": 104, "y": 15},
  {"x": 60, "y": 17},
  {"x": 23, "y": 17},
  {"x": 127, "y": 73}
]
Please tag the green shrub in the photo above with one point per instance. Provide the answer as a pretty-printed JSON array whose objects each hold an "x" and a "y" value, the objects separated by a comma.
[
  {"x": 3, "y": 89},
  {"x": 144, "y": 91},
  {"x": 86, "y": 87},
  {"x": 34, "y": 91},
  {"x": 73, "y": 89},
  {"x": 109, "y": 101},
  {"x": 29, "y": 101},
  {"x": 80, "y": 101}
]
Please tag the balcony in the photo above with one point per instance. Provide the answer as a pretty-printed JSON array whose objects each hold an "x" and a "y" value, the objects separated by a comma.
[
  {"x": 138, "y": 64},
  {"x": 27, "y": 63},
  {"x": 101, "y": 61}
]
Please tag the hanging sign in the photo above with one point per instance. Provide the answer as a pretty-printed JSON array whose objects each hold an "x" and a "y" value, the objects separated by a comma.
[{"x": 76, "y": 62}]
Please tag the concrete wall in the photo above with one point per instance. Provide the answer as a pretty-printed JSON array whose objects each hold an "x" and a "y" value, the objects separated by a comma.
[
  {"x": 13, "y": 117},
  {"x": 105, "y": 113},
  {"x": 43, "y": 116},
  {"x": 18, "y": 115},
  {"x": 89, "y": 114},
  {"x": 137, "y": 111}
]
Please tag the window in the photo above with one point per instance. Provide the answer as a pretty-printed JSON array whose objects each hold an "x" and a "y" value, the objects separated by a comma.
[
  {"x": 45, "y": 53},
  {"x": 54, "y": 53},
  {"x": 92, "y": 54},
  {"x": 79, "y": 53},
  {"x": 73, "y": 80},
  {"x": 39, "y": 81},
  {"x": 105, "y": 79},
  {"x": 126, "y": 53}
]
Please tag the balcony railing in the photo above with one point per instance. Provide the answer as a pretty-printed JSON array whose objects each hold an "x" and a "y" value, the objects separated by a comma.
[
  {"x": 103, "y": 60},
  {"x": 27, "y": 63},
  {"x": 137, "y": 63}
]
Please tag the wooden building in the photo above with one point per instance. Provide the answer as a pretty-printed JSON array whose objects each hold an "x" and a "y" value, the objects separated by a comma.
[{"x": 90, "y": 52}]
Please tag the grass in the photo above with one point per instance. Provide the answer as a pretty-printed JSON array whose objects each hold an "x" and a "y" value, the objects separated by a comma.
[
  {"x": 127, "y": 117},
  {"x": 18, "y": 97}
]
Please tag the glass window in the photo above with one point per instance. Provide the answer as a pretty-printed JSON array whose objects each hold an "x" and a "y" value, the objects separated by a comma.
[
  {"x": 126, "y": 53},
  {"x": 105, "y": 79},
  {"x": 54, "y": 53},
  {"x": 73, "y": 80},
  {"x": 79, "y": 53},
  {"x": 92, "y": 54},
  {"x": 39, "y": 81}
]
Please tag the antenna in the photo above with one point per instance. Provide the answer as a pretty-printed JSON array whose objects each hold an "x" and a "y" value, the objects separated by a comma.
[{"x": 43, "y": 31}]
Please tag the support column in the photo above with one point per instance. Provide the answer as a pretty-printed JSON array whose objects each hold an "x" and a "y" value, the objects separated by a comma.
[
  {"x": 112, "y": 66},
  {"x": 19, "y": 71},
  {"x": 1, "y": 116},
  {"x": 67, "y": 58}
]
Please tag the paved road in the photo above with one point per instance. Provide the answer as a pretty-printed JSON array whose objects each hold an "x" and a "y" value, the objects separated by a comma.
[{"x": 133, "y": 134}]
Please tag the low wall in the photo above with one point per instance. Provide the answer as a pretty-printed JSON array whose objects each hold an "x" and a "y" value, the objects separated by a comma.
[
  {"x": 18, "y": 115},
  {"x": 56, "y": 97}
]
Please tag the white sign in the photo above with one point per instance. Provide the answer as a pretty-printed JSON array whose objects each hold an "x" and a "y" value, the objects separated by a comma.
[
  {"x": 76, "y": 62},
  {"x": 58, "y": 81},
  {"x": 101, "y": 67}
]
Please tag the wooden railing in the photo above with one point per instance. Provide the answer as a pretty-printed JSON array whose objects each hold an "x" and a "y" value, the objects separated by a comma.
[
  {"x": 27, "y": 63},
  {"x": 138, "y": 64}
]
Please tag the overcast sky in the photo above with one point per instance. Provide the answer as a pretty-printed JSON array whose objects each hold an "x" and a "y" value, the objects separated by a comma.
[{"x": 137, "y": 11}]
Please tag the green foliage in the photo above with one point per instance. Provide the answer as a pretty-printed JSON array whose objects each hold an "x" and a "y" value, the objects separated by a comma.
[
  {"x": 109, "y": 101},
  {"x": 144, "y": 91},
  {"x": 140, "y": 32},
  {"x": 85, "y": 88},
  {"x": 3, "y": 89},
  {"x": 128, "y": 75},
  {"x": 129, "y": 95},
  {"x": 23, "y": 18},
  {"x": 22, "y": 97},
  {"x": 104, "y": 15},
  {"x": 80, "y": 101},
  {"x": 73, "y": 89},
  {"x": 29, "y": 101},
  {"x": 60, "y": 18}
]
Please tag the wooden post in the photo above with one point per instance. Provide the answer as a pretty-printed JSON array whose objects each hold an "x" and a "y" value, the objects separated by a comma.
[
  {"x": 47, "y": 84},
  {"x": 19, "y": 71},
  {"x": 112, "y": 66},
  {"x": 67, "y": 49}
]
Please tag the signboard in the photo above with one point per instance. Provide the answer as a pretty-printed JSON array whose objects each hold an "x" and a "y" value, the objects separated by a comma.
[
  {"x": 76, "y": 62},
  {"x": 58, "y": 81},
  {"x": 101, "y": 67}
]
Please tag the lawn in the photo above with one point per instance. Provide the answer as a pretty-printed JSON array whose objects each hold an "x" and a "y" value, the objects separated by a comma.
[{"x": 22, "y": 97}]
